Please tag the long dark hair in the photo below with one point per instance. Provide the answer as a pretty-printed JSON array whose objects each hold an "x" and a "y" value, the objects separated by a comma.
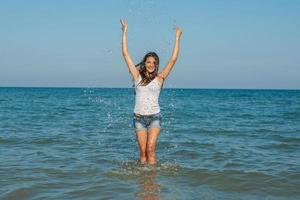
[{"x": 147, "y": 78}]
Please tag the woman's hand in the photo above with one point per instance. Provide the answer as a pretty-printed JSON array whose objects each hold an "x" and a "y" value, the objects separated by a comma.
[
  {"x": 178, "y": 32},
  {"x": 124, "y": 25}
]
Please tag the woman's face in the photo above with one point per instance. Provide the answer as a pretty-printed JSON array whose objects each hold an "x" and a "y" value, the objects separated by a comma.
[{"x": 150, "y": 64}]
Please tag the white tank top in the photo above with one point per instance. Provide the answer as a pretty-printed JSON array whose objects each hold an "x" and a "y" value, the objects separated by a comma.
[{"x": 146, "y": 97}]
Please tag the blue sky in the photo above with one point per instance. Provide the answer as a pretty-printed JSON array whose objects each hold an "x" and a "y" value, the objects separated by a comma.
[{"x": 225, "y": 44}]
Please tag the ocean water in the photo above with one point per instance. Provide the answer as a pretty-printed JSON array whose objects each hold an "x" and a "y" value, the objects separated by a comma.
[{"x": 79, "y": 143}]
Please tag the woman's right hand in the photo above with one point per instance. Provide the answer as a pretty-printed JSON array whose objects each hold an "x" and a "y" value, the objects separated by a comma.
[{"x": 124, "y": 25}]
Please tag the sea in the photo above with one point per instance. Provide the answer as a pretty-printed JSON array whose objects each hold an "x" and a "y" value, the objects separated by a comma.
[{"x": 79, "y": 143}]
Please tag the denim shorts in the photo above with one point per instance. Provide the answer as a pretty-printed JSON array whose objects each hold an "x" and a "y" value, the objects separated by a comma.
[{"x": 144, "y": 122}]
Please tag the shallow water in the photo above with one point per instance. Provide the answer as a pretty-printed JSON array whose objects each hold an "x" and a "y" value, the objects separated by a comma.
[{"x": 78, "y": 143}]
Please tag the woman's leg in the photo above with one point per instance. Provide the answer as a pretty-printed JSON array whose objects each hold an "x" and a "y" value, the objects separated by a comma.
[
  {"x": 153, "y": 134},
  {"x": 142, "y": 141}
]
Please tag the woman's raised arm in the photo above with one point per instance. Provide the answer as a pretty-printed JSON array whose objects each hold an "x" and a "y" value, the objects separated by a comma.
[
  {"x": 165, "y": 72},
  {"x": 132, "y": 69}
]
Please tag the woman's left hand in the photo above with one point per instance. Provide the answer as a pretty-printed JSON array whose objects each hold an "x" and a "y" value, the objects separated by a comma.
[{"x": 178, "y": 32}]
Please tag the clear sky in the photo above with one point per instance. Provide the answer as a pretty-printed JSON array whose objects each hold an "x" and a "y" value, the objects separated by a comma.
[{"x": 77, "y": 43}]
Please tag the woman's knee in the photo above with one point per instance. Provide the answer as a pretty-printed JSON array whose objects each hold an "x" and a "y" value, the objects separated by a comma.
[
  {"x": 150, "y": 150},
  {"x": 143, "y": 152}
]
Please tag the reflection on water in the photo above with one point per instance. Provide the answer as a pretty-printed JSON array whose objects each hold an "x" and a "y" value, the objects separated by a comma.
[
  {"x": 149, "y": 189},
  {"x": 144, "y": 177}
]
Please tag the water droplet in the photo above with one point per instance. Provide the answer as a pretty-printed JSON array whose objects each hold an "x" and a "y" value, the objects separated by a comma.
[{"x": 109, "y": 51}]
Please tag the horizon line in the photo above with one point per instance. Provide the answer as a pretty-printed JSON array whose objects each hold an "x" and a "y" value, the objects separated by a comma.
[{"x": 183, "y": 88}]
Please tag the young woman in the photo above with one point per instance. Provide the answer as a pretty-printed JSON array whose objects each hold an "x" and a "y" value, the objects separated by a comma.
[{"x": 148, "y": 83}]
